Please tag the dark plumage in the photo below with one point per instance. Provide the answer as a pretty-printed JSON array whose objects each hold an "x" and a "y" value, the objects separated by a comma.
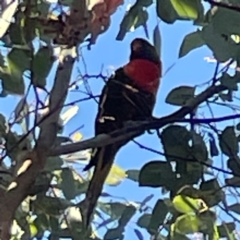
[{"x": 124, "y": 98}]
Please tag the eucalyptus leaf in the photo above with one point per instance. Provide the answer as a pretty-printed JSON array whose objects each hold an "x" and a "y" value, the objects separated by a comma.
[
  {"x": 166, "y": 11},
  {"x": 12, "y": 82},
  {"x": 157, "y": 41},
  {"x": 229, "y": 82},
  {"x": 134, "y": 18},
  {"x": 188, "y": 9},
  {"x": 159, "y": 213},
  {"x": 144, "y": 220},
  {"x": 114, "y": 233},
  {"x": 228, "y": 142},
  {"x": 223, "y": 49},
  {"x": 127, "y": 214},
  {"x": 41, "y": 66},
  {"x": 190, "y": 42},
  {"x": 3, "y": 125},
  {"x": 133, "y": 175},
  {"x": 180, "y": 95},
  {"x": 211, "y": 192},
  {"x": 234, "y": 208},
  {"x": 68, "y": 184},
  {"x": 226, "y": 228},
  {"x": 156, "y": 174},
  {"x": 19, "y": 60}
]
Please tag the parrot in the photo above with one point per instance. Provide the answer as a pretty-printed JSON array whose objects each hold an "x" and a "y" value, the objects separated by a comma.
[{"x": 128, "y": 95}]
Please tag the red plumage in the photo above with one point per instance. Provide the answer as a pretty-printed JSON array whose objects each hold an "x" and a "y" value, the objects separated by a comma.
[{"x": 129, "y": 95}]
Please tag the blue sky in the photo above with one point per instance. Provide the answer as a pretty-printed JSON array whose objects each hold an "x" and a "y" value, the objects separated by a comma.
[{"x": 107, "y": 52}]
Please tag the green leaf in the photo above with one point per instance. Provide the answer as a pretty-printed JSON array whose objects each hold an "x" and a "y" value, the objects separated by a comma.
[
  {"x": 226, "y": 97},
  {"x": 28, "y": 28},
  {"x": 233, "y": 164},
  {"x": 208, "y": 225},
  {"x": 117, "y": 209},
  {"x": 157, "y": 41},
  {"x": 185, "y": 204},
  {"x": 53, "y": 222},
  {"x": 234, "y": 208},
  {"x": 33, "y": 230},
  {"x": 225, "y": 21},
  {"x": 188, "y": 9},
  {"x": 211, "y": 192},
  {"x": 15, "y": 30},
  {"x": 51, "y": 205},
  {"x": 233, "y": 182},
  {"x": 210, "y": 185},
  {"x": 175, "y": 140},
  {"x": 156, "y": 174},
  {"x": 166, "y": 11},
  {"x": 186, "y": 224},
  {"x": 21, "y": 111},
  {"x": 229, "y": 82},
  {"x": 53, "y": 163},
  {"x": 81, "y": 187},
  {"x": 133, "y": 175},
  {"x": 134, "y": 18},
  {"x": 114, "y": 209},
  {"x": 191, "y": 172},
  {"x": 12, "y": 83},
  {"x": 223, "y": 49},
  {"x": 3, "y": 125},
  {"x": 190, "y": 42},
  {"x": 41, "y": 184},
  {"x": 42, "y": 64},
  {"x": 41, "y": 222},
  {"x": 159, "y": 213},
  {"x": 228, "y": 142},
  {"x": 19, "y": 60},
  {"x": 180, "y": 95},
  {"x": 68, "y": 184},
  {"x": 43, "y": 8},
  {"x": 127, "y": 214},
  {"x": 225, "y": 229},
  {"x": 144, "y": 3},
  {"x": 144, "y": 220},
  {"x": 115, "y": 233},
  {"x": 2, "y": 61}
]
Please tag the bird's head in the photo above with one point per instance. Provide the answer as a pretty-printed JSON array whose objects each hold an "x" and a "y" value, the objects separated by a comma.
[
  {"x": 142, "y": 49},
  {"x": 144, "y": 67}
]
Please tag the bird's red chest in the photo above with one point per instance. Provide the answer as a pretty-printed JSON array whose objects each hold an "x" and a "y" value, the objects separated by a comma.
[{"x": 145, "y": 74}]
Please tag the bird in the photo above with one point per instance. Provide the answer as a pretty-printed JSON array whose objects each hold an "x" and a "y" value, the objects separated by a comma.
[{"x": 128, "y": 95}]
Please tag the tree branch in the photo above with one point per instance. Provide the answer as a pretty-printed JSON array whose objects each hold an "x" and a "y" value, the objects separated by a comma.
[
  {"x": 224, "y": 5},
  {"x": 131, "y": 130},
  {"x": 35, "y": 160}
]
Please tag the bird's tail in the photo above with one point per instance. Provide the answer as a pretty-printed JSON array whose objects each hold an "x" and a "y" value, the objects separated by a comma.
[{"x": 102, "y": 160}]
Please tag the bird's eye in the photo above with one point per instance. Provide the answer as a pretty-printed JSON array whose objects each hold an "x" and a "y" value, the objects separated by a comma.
[{"x": 136, "y": 45}]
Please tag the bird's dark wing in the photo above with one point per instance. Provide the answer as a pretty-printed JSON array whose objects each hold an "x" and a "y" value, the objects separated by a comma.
[{"x": 120, "y": 101}]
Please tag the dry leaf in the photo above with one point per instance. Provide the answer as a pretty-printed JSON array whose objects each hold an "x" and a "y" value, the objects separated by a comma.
[{"x": 102, "y": 10}]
